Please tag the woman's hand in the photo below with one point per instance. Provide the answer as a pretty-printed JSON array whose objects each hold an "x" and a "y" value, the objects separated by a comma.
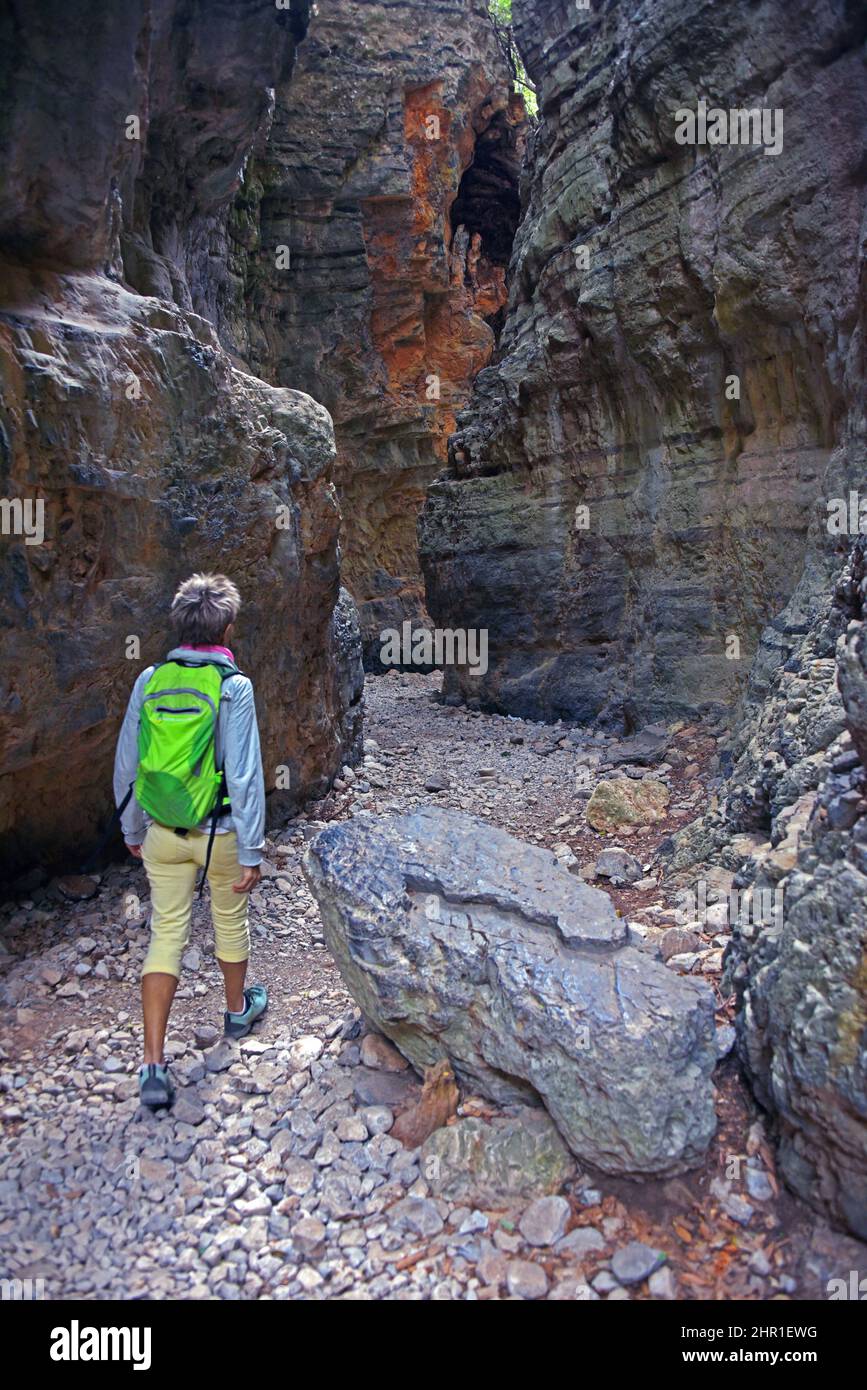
[
  {"x": 250, "y": 876},
  {"x": 135, "y": 850}
]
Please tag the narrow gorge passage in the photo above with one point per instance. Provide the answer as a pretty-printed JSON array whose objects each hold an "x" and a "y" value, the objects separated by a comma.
[
  {"x": 433, "y": 510},
  {"x": 119, "y": 1207}
]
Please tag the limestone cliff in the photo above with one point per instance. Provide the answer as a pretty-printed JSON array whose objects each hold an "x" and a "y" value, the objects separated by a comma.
[
  {"x": 389, "y": 180},
  {"x": 677, "y": 390},
  {"x": 147, "y": 452}
]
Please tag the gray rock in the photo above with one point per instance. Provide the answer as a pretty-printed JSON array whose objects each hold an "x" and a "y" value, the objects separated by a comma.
[
  {"x": 378, "y": 1118},
  {"x": 758, "y": 1184},
  {"x": 521, "y": 973},
  {"x": 308, "y": 1235},
  {"x": 526, "y": 1280},
  {"x": 584, "y": 1240},
  {"x": 488, "y": 1163},
  {"x": 759, "y": 1264},
  {"x": 738, "y": 1209},
  {"x": 618, "y": 865},
  {"x": 385, "y": 1089},
  {"x": 188, "y": 1108},
  {"x": 635, "y": 1262},
  {"x": 303, "y": 1051},
  {"x": 544, "y": 1220},
  {"x": 222, "y": 1056},
  {"x": 417, "y": 1214},
  {"x": 661, "y": 1283}
]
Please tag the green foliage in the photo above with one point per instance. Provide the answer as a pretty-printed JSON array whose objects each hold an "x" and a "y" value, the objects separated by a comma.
[{"x": 501, "y": 14}]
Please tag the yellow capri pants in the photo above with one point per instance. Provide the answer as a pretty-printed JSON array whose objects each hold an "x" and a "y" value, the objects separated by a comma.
[{"x": 172, "y": 863}]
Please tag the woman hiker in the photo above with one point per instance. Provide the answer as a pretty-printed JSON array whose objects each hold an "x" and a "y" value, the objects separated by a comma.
[{"x": 188, "y": 784}]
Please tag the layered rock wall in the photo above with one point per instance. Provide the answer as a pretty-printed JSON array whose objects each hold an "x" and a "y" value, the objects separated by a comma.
[
  {"x": 132, "y": 450},
  {"x": 368, "y": 254},
  {"x": 678, "y": 388}
]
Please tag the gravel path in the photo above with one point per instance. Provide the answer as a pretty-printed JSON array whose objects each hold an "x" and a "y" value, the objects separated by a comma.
[{"x": 275, "y": 1174}]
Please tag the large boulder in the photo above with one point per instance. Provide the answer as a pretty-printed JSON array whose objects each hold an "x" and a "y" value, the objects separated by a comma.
[{"x": 458, "y": 940}]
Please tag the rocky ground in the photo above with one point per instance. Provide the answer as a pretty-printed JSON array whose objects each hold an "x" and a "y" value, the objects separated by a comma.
[{"x": 276, "y": 1174}]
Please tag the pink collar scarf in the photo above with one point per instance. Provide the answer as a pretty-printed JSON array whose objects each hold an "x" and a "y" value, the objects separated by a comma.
[{"x": 201, "y": 647}]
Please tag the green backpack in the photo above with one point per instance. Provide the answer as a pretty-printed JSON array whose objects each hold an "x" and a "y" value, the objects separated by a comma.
[{"x": 178, "y": 782}]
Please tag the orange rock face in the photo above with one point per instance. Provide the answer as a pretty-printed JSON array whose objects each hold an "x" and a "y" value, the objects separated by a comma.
[{"x": 391, "y": 173}]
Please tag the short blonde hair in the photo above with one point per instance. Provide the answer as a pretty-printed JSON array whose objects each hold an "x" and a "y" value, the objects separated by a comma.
[{"x": 203, "y": 608}]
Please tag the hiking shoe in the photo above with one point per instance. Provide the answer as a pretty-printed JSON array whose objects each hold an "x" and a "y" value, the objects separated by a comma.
[
  {"x": 155, "y": 1086},
  {"x": 239, "y": 1025}
]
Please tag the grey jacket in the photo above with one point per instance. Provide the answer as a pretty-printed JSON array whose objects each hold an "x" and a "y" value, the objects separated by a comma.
[{"x": 237, "y": 744}]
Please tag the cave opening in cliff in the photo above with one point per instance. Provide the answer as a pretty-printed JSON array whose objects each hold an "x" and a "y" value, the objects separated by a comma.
[{"x": 486, "y": 210}]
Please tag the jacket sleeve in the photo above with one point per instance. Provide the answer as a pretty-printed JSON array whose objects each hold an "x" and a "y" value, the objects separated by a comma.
[
  {"x": 133, "y": 823},
  {"x": 242, "y": 759}
]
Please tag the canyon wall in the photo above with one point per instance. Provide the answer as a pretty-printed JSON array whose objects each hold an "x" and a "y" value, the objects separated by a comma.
[
  {"x": 143, "y": 451},
  {"x": 367, "y": 258},
  {"x": 629, "y": 491}
]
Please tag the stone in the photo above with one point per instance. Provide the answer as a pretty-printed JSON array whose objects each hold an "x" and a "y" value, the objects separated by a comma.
[
  {"x": 619, "y": 803},
  {"x": 378, "y": 1118},
  {"x": 303, "y": 1051},
  {"x": 738, "y": 1209},
  {"x": 618, "y": 865},
  {"x": 584, "y": 1240},
  {"x": 661, "y": 1283},
  {"x": 635, "y": 1262},
  {"x": 381, "y": 1055},
  {"x": 188, "y": 1108},
  {"x": 417, "y": 1214},
  {"x": 526, "y": 1280},
  {"x": 544, "y": 1221},
  {"x": 437, "y": 784},
  {"x": 519, "y": 972},
  {"x": 222, "y": 1055},
  {"x": 385, "y": 1089},
  {"x": 678, "y": 941},
  {"x": 648, "y": 746},
  {"x": 299, "y": 1175},
  {"x": 502, "y": 1161},
  {"x": 492, "y": 1268},
  {"x": 572, "y": 1289},
  {"x": 78, "y": 887},
  {"x": 206, "y": 1035},
  {"x": 308, "y": 1235},
  {"x": 758, "y": 1183}
]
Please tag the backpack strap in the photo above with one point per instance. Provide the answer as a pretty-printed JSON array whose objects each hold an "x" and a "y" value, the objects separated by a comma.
[
  {"x": 221, "y": 787},
  {"x": 221, "y": 805},
  {"x": 109, "y": 830}
]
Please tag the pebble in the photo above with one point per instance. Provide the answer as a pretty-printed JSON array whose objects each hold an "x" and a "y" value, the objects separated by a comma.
[
  {"x": 526, "y": 1280},
  {"x": 544, "y": 1220},
  {"x": 635, "y": 1262}
]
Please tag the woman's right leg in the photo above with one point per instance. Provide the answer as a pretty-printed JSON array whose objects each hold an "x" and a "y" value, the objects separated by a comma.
[{"x": 171, "y": 871}]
